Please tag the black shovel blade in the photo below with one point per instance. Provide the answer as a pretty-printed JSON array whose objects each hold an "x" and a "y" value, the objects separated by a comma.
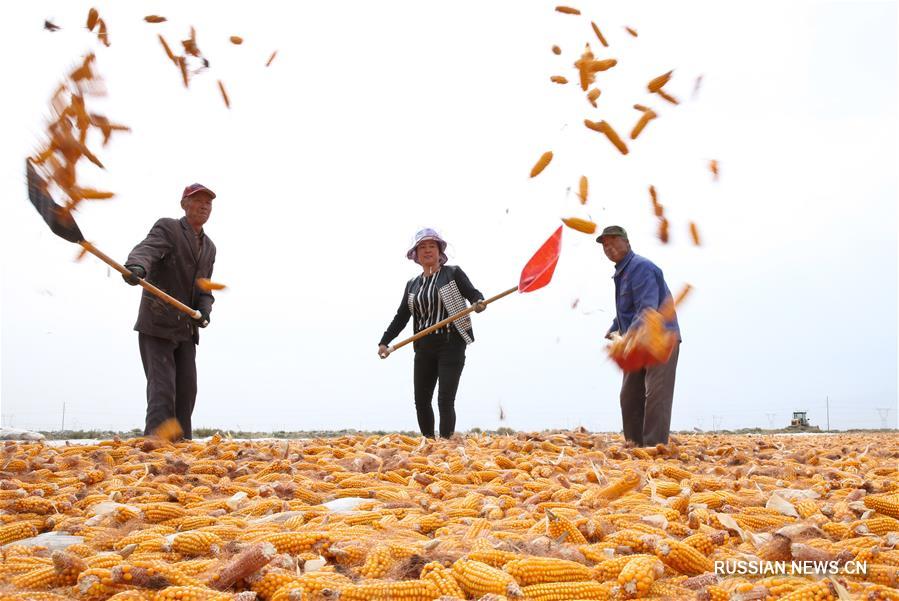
[{"x": 60, "y": 222}]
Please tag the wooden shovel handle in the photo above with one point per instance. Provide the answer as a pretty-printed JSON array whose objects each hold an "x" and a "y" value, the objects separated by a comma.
[
  {"x": 146, "y": 285},
  {"x": 449, "y": 319}
]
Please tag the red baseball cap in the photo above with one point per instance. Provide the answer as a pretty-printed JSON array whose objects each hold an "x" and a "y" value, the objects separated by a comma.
[{"x": 194, "y": 188}]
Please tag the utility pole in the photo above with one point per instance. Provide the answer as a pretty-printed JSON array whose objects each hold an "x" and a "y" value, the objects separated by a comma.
[
  {"x": 771, "y": 417},
  {"x": 828, "y": 412},
  {"x": 716, "y": 421},
  {"x": 884, "y": 416},
  {"x": 63, "y": 427}
]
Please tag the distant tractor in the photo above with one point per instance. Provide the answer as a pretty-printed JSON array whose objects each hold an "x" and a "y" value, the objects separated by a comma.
[{"x": 800, "y": 422}]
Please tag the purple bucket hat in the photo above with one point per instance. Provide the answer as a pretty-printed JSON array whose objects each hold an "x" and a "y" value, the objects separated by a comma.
[{"x": 427, "y": 234}]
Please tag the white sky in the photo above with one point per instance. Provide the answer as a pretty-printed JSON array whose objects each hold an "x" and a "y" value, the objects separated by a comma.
[{"x": 376, "y": 119}]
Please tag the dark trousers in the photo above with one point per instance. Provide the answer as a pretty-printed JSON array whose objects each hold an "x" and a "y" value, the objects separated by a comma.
[
  {"x": 646, "y": 398},
  {"x": 171, "y": 372},
  {"x": 438, "y": 357}
]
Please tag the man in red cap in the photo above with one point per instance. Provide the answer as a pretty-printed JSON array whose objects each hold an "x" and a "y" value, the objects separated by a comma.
[{"x": 172, "y": 257}]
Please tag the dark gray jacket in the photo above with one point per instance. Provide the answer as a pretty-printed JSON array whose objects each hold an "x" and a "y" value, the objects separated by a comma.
[{"x": 170, "y": 256}]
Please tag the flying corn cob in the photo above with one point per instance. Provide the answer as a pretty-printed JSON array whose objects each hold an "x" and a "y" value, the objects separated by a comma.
[
  {"x": 582, "y": 189},
  {"x": 645, "y": 118},
  {"x": 581, "y": 225},
  {"x": 599, "y": 36},
  {"x": 541, "y": 163},
  {"x": 604, "y": 128}
]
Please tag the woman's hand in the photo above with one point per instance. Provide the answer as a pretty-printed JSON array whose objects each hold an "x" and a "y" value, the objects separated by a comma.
[
  {"x": 383, "y": 351},
  {"x": 480, "y": 306}
]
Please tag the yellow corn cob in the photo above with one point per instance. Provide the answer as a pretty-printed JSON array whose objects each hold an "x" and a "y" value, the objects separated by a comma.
[
  {"x": 406, "y": 590},
  {"x": 293, "y": 542},
  {"x": 779, "y": 586},
  {"x": 192, "y": 522},
  {"x": 705, "y": 542},
  {"x": 565, "y": 591},
  {"x": 536, "y": 570},
  {"x": 43, "y": 577},
  {"x": 836, "y": 530},
  {"x": 715, "y": 592},
  {"x": 683, "y": 558},
  {"x": 667, "y": 488},
  {"x": 96, "y": 583},
  {"x": 195, "y": 542},
  {"x": 16, "y": 531},
  {"x": 880, "y": 574},
  {"x": 609, "y": 569},
  {"x": 628, "y": 481},
  {"x": 377, "y": 562},
  {"x": 270, "y": 581},
  {"x": 38, "y": 505},
  {"x": 310, "y": 586},
  {"x": 561, "y": 529},
  {"x": 478, "y": 578},
  {"x": 713, "y": 499},
  {"x": 887, "y": 504},
  {"x": 878, "y": 525},
  {"x": 819, "y": 591},
  {"x": 878, "y": 592},
  {"x": 163, "y": 569},
  {"x": 493, "y": 557},
  {"x": 133, "y": 595},
  {"x": 676, "y": 472},
  {"x": 190, "y": 593},
  {"x": 668, "y": 589},
  {"x": 638, "y": 574},
  {"x": 806, "y": 507},
  {"x": 68, "y": 566},
  {"x": 635, "y": 539},
  {"x": 442, "y": 579},
  {"x": 159, "y": 512}
]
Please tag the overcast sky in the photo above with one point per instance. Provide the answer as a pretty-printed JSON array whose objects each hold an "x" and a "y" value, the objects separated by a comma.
[{"x": 378, "y": 118}]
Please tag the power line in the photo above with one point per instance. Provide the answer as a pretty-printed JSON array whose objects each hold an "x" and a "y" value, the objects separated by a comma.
[{"x": 884, "y": 417}]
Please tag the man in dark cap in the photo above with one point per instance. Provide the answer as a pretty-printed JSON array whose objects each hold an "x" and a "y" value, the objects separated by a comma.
[
  {"x": 646, "y": 394},
  {"x": 172, "y": 257}
]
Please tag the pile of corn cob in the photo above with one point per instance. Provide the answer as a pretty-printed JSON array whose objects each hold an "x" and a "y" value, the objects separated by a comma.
[{"x": 534, "y": 517}]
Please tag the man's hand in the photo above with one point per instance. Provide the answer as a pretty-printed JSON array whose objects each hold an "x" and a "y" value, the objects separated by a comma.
[
  {"x": 480, "y": 306},
  {"x": 611, "y": 335},
  {"x": 137, "y": 274},
  {"x": 203, "y": 321},
  {"x": 383, "y": 351}
]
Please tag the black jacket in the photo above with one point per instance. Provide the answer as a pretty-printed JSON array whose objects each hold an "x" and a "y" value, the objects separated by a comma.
[
  {"x": 452, "y": 286},
  {"x": 170, "y": 257}
]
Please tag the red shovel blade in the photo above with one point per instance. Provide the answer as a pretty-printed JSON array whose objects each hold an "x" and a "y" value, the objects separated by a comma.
[{"x": 539, "y": 270}]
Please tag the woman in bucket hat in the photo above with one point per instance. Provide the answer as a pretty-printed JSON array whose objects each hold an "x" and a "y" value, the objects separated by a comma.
[{"x": 438, "y": 292}]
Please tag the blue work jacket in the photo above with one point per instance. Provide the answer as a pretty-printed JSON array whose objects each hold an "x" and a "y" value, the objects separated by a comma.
[{"x": 638, "y": 284}]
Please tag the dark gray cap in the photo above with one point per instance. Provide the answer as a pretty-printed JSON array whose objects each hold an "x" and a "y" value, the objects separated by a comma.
[{"x": 612, "y": 230}]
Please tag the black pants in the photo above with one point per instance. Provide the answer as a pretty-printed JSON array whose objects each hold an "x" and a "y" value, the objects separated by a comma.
[
  {"x": 646, "y": 398},
  {"x": 171, "y": 372},
  {"x": 438, "y": 357}
]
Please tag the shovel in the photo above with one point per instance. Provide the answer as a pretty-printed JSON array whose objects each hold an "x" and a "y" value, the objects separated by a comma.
[
  {"x": 63, "y": 225},
  {"x": 535, "y": 275}
]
